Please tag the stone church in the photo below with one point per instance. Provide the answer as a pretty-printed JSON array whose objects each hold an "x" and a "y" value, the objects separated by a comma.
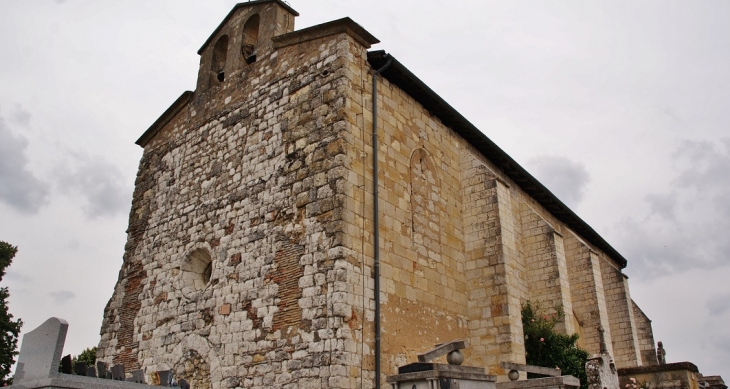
[{"x": 260, "y": 255}]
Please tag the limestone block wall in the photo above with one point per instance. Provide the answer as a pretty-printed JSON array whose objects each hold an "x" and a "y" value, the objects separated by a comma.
[
  {"x": 459, "y": 241},
  {"x": 424, "y": 293},
  {"x": 250, "y": 174}
]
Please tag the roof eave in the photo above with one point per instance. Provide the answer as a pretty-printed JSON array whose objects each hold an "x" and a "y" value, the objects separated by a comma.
[{"x": 165, "y": 118}]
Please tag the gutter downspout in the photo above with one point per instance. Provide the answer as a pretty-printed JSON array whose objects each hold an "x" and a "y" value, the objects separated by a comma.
[{"x": 376, "y": 221}]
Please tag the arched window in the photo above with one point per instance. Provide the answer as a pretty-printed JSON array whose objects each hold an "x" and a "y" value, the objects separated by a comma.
[
  {"x": 250, "y": 38},
  {"x": 220, "y": 52},
  {"x": 425, "y": 209},
  {"x": 197, "y": 269}
]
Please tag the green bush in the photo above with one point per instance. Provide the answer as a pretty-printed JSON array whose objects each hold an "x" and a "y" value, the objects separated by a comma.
[
  {"x": 544, "y": 347},
  {"x": 87, "y": 356}
]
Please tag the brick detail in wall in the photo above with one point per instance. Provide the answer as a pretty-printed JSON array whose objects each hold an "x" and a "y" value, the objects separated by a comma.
[
  {"x": 133, "y": 275},
  {"x": 287, "y": 275},
  {"x": 126, "y": 343}
]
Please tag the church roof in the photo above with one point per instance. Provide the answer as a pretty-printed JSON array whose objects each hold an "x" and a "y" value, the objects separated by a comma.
[{"x": 399, "y": 75}]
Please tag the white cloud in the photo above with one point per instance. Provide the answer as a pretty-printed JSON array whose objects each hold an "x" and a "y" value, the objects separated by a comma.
[
  {"x": 565, "y": 178},
  {"x": 718, "y": 305}
]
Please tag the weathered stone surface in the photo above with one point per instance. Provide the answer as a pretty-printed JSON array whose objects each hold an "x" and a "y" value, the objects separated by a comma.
[{"x": 601, "y": 372}]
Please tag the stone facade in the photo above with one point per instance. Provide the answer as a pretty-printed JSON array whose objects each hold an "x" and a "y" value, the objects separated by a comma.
[{"x": 249, "y": 260}]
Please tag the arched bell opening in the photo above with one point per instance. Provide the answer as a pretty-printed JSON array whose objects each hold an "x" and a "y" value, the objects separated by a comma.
[
  {"x": 250, "y": 38},
  {"x": 220, "y": 52}
]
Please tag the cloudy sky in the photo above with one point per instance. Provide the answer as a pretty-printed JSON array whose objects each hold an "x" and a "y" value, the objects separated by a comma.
[{"x": 620, "y": 108}]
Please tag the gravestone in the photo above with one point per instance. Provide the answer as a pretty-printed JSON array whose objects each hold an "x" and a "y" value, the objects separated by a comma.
[
  {"x": 165, "y": 377},
  {"x": 137, "y": 376},
  {"x": 66, "y": 365},
  {"x": 80, "y": 368},
  {"x": 101, "y": 370},
  {"x": 118, "y": 373},
  {"x": 40, "y": 352},
  {"x": 40, "y": 356}
]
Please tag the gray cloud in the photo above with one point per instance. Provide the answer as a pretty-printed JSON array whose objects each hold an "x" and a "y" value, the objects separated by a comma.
[
  {"x": 73, "y": 244},
  {"x": 99, "y": 182},
  {"x": 19, "y": 188},
  {"x": 687, "y": 226},
  {"x": 20, "y": 115},
  {"x": 15, "y": 276},
  {"x": 709, "y": 166},
  {"x": 565, "y": 178},
  {"x": 62, "y": 296},
  {"x": 662, "y": 205},
  {"x": 718, "y": 305}
]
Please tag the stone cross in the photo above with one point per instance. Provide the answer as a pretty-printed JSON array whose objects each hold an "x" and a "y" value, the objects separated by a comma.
[
  {"x": 661, "y": 354},
  {"x": 601, "y": 372},
  {"x": 602, "y": 335},
  {"x": 40, "y": 352}
]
